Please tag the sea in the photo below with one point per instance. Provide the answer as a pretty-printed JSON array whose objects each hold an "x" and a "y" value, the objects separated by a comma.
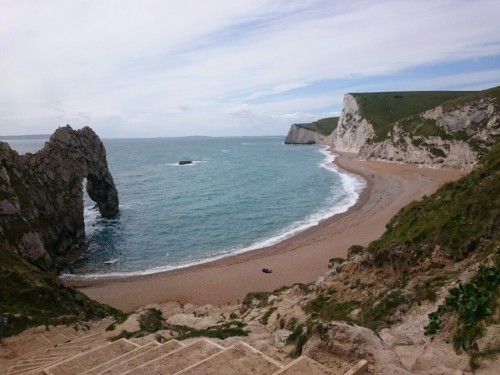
[{"x": 238, "y": 195}]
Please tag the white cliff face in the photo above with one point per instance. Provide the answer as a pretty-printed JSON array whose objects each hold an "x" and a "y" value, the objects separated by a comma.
[
  {"x": 432, "y": 152},
  {"x": 470, "y": 130},
  {"x": 300, "y": 135},
  {"x": 352, "y": 131}
]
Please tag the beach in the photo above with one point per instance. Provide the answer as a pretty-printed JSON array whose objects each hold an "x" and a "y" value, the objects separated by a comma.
[{"x": 302, "y": 258}]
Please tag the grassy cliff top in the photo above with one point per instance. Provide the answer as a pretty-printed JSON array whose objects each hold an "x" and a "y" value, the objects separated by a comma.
[
  {"x": 382, "y": 109},
  {"x": 324, "y": 126}
]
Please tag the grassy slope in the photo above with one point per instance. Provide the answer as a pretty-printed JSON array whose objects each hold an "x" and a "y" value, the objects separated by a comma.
[
  {"x": 382, "y": 109},
  {"x": 458, "y": 218},
  {"x": 324, "y": 126},
  {"x": 30, "y": 297},
  {"x": 405, "y": 266}
]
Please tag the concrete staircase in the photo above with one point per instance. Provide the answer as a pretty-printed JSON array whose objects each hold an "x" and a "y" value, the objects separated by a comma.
[{"x": 199, "y": 357}]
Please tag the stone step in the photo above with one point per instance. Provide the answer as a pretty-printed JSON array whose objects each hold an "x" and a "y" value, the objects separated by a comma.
[
  {"x": 145, "y": 357},
  {"x": 304, "y": 365},
  {"x": 24, "y": 369},
  {"x": 37, "y": 362},
  {"x": 179, "y": 359},
  {"x": 240, "y": 358},
  {"x": 57, "y": 338},
  {"x": 40, "y": 359},
  {"x": 66, "y": 352},
  {"x": 89, "y": 339},
  {"x": 122, "y": 358},
  {"x": 360, "y": 368},
  {"x": 91, "y": 358}
]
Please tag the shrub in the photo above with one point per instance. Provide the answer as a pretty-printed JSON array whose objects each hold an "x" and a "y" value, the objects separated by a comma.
[{"x": 471, "y": 303}]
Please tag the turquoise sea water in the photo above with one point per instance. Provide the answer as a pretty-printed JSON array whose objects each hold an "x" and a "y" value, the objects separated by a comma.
[{"x": 239, "y": 194}]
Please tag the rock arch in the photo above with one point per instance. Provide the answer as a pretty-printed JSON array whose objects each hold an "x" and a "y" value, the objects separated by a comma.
[{"x": 41, "y": 195}]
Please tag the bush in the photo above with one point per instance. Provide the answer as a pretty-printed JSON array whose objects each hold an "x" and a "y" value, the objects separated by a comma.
[
  {"x": 471, "y": 303},
  {"x": 151, "y": 320}
]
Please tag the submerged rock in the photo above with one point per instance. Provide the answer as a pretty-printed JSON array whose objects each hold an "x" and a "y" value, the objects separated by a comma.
[{"x": 41, "y": 195}]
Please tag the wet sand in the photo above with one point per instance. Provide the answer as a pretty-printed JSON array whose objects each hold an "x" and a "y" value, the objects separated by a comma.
[{"x": 300, "y": 259}]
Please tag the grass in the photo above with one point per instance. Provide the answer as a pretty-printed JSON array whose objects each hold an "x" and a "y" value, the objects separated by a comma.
[
  {"x": 265, "y": 318},
  {"x": 151, "y": 320},
  {"x": 454, "y": 103},
  {"x": 260, "y": 297},
  {"x": 385, "y": 108},
  {"x": 424, "y": 128},
  {"x": 457, "y": 218},
  {"x": 324, "y": 126},
  {"x": 426, "y": 291},
  {"x": 328, "y": 309},
  {"x": 30, "y": 297},
  {"x": 221, "y": 332},
  {"x": 376, "y": 315},
  {"x": 471, "y": 302}
]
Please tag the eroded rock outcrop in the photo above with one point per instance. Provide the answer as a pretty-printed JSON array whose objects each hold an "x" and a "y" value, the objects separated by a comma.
[
  {"x": 353, "y": 131},
  {"x": 463, "y": 133},
  {"x": 300, "y": 135},
  {"x": 41, "y": 195}
]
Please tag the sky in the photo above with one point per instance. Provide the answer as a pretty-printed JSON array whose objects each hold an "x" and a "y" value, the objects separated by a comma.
[{"x": 167, "y": 68}]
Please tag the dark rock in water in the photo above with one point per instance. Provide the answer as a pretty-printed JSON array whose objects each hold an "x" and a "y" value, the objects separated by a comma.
[
  {"x": 41, "y": 195},
  {"x": 184, "y": 162}
]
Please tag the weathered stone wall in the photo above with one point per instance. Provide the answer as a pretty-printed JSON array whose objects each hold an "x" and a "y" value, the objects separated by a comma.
[{"x": 41, "y": 195}]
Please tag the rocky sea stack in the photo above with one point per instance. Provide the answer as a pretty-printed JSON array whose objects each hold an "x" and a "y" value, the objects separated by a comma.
[{"x": 41, "y": 196}]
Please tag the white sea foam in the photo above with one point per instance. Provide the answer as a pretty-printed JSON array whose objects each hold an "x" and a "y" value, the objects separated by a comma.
[
  {"x": 352, "y": 185},
  {"x": 90, "y": 216}
]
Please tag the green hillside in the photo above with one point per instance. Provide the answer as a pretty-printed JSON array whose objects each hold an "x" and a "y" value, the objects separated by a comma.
[
  {"x": 324, "y": 126},
  {"x": 382, "y": 109},
  {"x": 30, "y": 297},
  {"x": 427, "y": 247},
  {"x": 459, "y": 218}
]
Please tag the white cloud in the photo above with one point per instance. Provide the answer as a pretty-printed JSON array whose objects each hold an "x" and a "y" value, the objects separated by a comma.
[{"x": 188, "y": 67}]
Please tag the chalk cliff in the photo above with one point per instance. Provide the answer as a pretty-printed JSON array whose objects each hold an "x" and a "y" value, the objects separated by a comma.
[
  {"x": 353, "y": 130},
  {"x": 41, "y": 195},
  {"x": 300, "y": 135},
  {"x": 451, "y": 135},
  {"x": 448, "y": 136}
]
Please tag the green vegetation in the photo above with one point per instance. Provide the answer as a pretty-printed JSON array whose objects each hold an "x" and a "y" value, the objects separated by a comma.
[
  {"x": 453, "y": 103},
  {"x": 425, "y": 128},
  {"x": 299, "y": 336},
  {"x": 221, "y": 332},
  {"x": 265, "y": 317},
  {"x": 325, "y": 126},
  {"x": 385, "y": 108},
  {"x": 471, "y": 303},
  {"x": 456, "y": 219},
  {"x": 260, "y": 297},
  {"x": 373, "y": 313},
  {"x": 426, "y": 291},
  {"x": 327, "y": 309},
  {"x": 30, "y": 297},
  {"x": 376, "y": 315},
  {"x": 151, "y": 320}
]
